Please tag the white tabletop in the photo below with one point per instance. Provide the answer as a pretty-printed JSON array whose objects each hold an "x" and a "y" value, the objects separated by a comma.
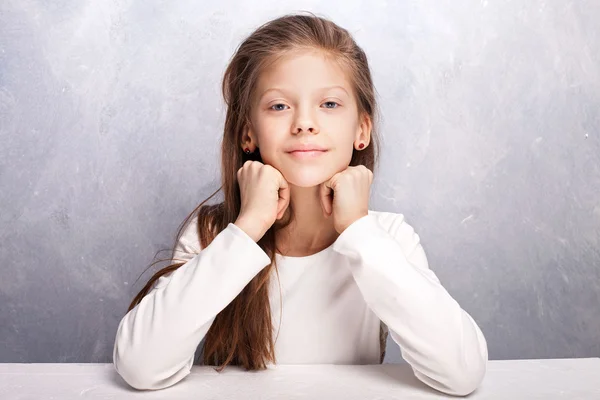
[{"x": 524, "y": 379}]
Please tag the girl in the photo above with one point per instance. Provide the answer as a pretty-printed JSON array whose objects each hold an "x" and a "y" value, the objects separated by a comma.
[{"x": 293, "y": 267}]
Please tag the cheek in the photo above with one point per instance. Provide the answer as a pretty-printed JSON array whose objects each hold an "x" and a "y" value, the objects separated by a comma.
[
  {"x": 341, "y": 125},
  {"x": 271, "y": 140},
  {"x": 266, "y": 134},
  {"x": 344, "y": 155},
  {"x": 344, "y": 135}
]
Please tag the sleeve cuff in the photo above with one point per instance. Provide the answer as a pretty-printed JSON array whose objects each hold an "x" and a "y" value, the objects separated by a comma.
[
  {"x": 256, "y": 252},
  {"x": 356, "y": 235}
]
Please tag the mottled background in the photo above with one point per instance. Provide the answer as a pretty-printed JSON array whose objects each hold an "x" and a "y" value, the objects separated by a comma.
[{"x": 110, "y": 124}]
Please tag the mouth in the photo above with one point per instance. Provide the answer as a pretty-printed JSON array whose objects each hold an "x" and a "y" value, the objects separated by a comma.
[{"x": 307, "y": 153}]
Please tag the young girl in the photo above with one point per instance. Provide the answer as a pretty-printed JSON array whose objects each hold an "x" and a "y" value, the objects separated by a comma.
[{"x": 293, "y": 267}]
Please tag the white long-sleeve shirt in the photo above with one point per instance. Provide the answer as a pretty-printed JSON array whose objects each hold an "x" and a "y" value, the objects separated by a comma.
[{"x": 333, "y": 303}]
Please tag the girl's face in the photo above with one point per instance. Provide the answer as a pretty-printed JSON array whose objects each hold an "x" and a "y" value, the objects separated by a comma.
[{"x": 305, "y": 99}]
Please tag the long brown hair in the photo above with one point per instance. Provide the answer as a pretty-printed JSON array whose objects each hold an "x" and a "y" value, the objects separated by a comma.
[{"x": 241, "y": 334}]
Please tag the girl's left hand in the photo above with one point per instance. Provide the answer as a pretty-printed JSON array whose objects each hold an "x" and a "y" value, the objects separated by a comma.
[{"x": 346, "y": 196}]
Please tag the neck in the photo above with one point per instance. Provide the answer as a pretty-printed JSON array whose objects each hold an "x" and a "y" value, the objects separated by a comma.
[{"x": 310, "y": 231}]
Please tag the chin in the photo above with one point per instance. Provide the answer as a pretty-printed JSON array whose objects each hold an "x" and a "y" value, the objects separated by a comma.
[
  {"x": 308, "y": 177},
  {"x": 308, "y": 174}
]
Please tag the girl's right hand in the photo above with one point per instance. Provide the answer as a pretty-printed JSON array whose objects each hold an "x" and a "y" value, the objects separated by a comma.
[{"x": 265, "y": 195}]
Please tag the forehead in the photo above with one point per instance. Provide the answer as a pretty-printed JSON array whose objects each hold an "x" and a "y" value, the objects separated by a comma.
[{"x": 303, "y": 70}]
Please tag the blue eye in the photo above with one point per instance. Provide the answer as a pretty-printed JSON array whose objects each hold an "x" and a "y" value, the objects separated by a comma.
[
  {"x": 275, "y": 105},
  {"x": 331, "y": 102}
]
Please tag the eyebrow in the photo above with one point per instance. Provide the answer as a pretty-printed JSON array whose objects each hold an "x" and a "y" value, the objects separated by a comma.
[{"x": 321, "y": 89}]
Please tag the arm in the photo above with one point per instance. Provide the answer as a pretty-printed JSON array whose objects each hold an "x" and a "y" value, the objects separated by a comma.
[
  {"x": 156, "y": 340},
  {"x": 441, "y": 342}
]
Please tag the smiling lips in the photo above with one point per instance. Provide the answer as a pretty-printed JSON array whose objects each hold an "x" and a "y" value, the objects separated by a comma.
[
  {"x": 307, "y": 153},
  {"x": 307, "y": 150}
]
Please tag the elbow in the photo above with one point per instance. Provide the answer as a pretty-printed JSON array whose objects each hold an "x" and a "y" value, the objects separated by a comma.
[
  {"x": 140, "y": 378},
  {"x": 466, "y": 377},
  {"x": 467, "y": 374},
  {"x": 465, "y": 381},
  {"x": 138, "y": 373},
  {"x": 456, "y": 381},
  {"x": 132, "y": 372},
  {"x": 128, "y": 366},
  {"x": 140, "y": 382},
  {"x": 135, "y": 379},
  {"x": 458, "y": 378}
]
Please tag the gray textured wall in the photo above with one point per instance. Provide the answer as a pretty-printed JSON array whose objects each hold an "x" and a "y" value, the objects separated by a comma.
[{"x": 111, "y": 116}]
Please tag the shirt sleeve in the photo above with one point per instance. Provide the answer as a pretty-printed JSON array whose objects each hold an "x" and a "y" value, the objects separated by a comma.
[
  {"x": 441, "y": 342},
  {"x": 156, "y": 341}
]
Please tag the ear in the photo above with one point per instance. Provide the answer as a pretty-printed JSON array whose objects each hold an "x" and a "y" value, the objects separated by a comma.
[
  {"x": 248, "y": 137},
  {"x": 363, "y": 133}
]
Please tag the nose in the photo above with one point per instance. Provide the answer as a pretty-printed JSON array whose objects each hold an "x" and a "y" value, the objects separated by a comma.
[{"x": 305, "y": 122}]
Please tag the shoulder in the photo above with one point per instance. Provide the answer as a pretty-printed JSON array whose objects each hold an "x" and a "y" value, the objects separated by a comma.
[
  {"x": 188, "y": 242},
  {"x": 186, "y": 247},
  {"x": 189, "y": 235}
]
